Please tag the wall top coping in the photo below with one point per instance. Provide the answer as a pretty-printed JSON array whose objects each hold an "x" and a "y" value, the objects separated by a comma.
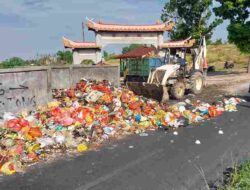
[{"x": 44, "y": 68}]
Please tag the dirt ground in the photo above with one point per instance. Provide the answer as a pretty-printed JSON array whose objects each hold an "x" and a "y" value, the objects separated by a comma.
[
  {"x": 219, "y": 86},
  {"x": 228, "y": 79}
]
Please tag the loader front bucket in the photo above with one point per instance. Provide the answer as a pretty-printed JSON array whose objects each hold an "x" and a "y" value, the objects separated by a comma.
[{"x": 154, "y": 91}]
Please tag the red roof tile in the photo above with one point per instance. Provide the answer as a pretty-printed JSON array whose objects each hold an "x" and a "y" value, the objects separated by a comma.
[
  {"x": 161, "y": 27},
  {"x": 138, "y": 53},
  {"x": 79, "y": 45}
]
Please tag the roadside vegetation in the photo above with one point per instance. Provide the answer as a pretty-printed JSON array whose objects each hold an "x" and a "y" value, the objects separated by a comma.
[
  {"x": 217, "y": 54},
  {"x": 60, "y": 58},
  {"x": 240, "y": 178}
]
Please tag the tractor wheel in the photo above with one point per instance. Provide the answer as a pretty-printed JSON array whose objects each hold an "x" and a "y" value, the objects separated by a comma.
[
  {"x": 197, "y": 83},
  {"x": 178, "y": 90}
]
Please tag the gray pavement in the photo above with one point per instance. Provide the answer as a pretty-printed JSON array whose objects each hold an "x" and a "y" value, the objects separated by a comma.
[{"x": 156, "y": 162}]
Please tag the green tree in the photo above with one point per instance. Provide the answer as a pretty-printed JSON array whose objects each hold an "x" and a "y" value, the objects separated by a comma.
[
  {"x": 13, "y": 62},
  {"x": 105, "y": 55},
  {"x": 218, "y": 42},
  {"x": 65, "y": 57},
  {"x": 87, "y": 62},
  {"x": 131, "y": 47},
  {"x": 191, "y": 17},
  {"x": 237, "y": 11}
]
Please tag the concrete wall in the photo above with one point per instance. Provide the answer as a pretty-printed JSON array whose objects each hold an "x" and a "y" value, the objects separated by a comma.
[{"x": 25, "y": 88}]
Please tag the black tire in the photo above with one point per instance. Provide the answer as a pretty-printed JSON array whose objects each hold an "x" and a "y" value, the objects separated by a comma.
[
  {"x": 178, "y": 90},
  {"x": 197, "y": 83}
]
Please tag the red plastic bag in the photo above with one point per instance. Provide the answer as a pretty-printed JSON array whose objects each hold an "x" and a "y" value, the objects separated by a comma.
[
  {"x": 135, "y": 106},
  {"x": 81, "y": 86},
  {"x": 147, "y": 110},
  {"x": 71, "y": 93},
  {"x": 101, "y": 88},
  {"x": 17, "y": 124},
  {"x": 56, "y": 112},
  {"x": 212, "y": 111}
]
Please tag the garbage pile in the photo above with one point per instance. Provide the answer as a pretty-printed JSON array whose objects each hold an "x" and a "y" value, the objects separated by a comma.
[{"x": 84, "y": 116}]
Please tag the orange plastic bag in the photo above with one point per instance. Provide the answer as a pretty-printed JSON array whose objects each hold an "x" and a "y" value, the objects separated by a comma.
[
  {"x": 87, "y": 115},
  {"x": 212, "y": 111},
  {"x": 35, "y": 132},
  {"x": 147, "y": 110},
  {"x": 135, "y": 106},
  {"x": 107, "y": 98}
]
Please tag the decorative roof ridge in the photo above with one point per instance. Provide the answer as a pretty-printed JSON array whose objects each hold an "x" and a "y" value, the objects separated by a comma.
[
  {"x": 74, "y": 44},
  {"x": 157, "y": 27}
]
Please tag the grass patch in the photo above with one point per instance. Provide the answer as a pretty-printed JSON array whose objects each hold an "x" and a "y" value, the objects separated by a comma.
[
  {"x": 218, "y": 54},
  {"x": 240, "y": 178},
  {"x": 113, "y": 62}
]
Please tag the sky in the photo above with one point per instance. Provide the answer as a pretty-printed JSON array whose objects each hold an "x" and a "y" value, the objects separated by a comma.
[{"x": 29, "y": 28}]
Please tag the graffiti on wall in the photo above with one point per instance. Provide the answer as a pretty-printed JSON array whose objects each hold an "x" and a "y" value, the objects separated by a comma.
[{"x": 16, "y": 97}]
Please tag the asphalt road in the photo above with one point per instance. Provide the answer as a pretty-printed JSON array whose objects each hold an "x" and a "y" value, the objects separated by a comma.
[{"x": 155, "y": 162}]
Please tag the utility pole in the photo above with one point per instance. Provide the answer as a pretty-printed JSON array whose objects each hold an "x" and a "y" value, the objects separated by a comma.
[{"x": 83, "y": 36}]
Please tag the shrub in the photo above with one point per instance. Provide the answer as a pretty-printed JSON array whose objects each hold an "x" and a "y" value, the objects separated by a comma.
[
  {"x": 87, "y": 62},
  {"x": 13, "y": 62}
]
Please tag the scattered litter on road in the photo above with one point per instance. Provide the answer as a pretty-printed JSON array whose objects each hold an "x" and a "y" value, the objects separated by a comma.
[
  {"x": 197, "y": 142},
  {"x": 83, "y": 117},
  {"x": 171, "y": 141},
  {"x": 113, "y": 146},
  {"x": 143, "y": 134},
  {"x": 220, "y": 132},
  {"x": 175, "y": 133},
  {"x": 82, "y": 147}
]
